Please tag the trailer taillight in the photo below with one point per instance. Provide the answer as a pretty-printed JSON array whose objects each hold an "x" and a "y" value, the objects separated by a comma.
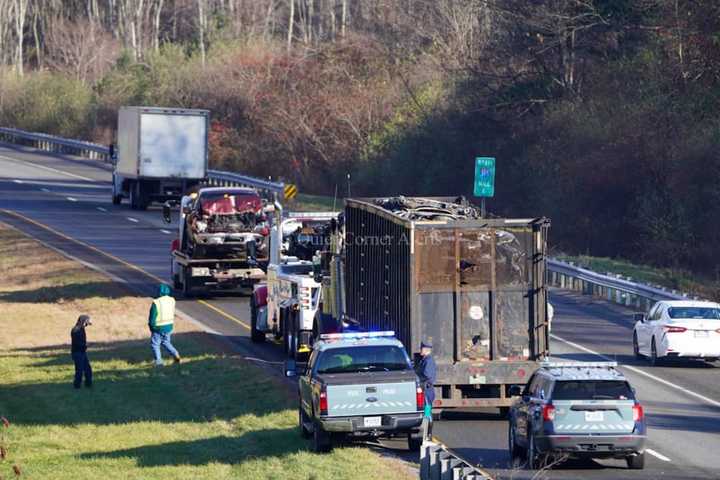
[
  {"x": 323, "y": 402},
  {"x": 420, "y": 399}
]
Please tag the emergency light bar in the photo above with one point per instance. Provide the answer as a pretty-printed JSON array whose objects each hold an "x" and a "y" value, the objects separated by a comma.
[
  {"x": 551, "y": 364},
  {"x": 345, "y": 336}
]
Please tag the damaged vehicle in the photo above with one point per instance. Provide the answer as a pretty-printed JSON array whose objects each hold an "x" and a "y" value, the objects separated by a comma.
[{"x": 222, "y": 240}]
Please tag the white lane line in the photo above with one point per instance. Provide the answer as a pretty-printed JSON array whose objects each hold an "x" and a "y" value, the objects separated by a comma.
[
  {"x": 657, "y": 455},
  {"x": 72, "y": 199},
  {"x": 45, "y": 190},
  {"x": 166, "y": 232},
  {"x": 18, "y": 181},
  {"x": 684, "y": 390},
  {"x": 50, "y": 169},
  {"x": 134, "y": 220},
  {"x": 101, "y": 209}
]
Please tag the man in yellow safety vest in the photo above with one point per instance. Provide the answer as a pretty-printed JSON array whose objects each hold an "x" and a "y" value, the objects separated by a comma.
[{"x": 161, "y": 321}]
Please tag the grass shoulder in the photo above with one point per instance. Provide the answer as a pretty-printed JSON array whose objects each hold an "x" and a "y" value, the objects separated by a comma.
[{"x": 212, "y": 416}]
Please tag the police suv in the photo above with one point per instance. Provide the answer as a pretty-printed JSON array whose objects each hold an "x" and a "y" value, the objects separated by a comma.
[{"x": 577, "y": 409}]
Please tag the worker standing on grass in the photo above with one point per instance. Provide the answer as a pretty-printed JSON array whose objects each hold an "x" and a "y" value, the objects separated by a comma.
[
  {"x": 427, "y": 371},
  {"x": 161, "y": 321},
  {"x": 78, "y": 350}
]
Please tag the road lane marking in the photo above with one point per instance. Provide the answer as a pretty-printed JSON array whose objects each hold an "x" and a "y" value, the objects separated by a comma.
[
  {"x": 134, "y": 220},
  {"x": 684, "y": 390},
  {"x": 45, "y": 190},
  {"x": 18, "y": 181},
  {"x": 102, "y": 209},
  {"x": 50, "y": 169},
  {"x": 72, "y": 199},
  {"x": 166, "y": 232},
  {"x": 119, "y": 260},
  {"x": 657, "y": 455},
  {"x": 224, "y": 314}
]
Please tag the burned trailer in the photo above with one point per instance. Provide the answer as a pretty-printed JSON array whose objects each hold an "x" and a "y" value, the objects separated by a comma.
[{"x": 433, "y": 269}]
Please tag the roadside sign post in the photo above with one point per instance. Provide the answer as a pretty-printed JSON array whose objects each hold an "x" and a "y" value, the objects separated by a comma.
[{"x": 484, "y": 180}]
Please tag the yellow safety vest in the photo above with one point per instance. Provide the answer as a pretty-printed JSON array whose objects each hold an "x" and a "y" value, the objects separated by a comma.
[{"x": 165, "y": 307}]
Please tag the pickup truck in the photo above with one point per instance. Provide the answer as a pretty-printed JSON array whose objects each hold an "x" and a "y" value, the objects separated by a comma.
[{"x": 359, "y": 384}]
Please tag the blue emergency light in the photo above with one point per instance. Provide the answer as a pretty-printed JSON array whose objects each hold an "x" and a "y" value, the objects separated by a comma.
[{"x": 354, "y": 335}]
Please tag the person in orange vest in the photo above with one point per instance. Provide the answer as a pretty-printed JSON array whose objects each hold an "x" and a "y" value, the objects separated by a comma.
[{"x": 161, "y": 321}]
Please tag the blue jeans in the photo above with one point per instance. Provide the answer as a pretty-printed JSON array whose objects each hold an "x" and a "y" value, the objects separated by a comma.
[
  {"x": 82, "y": 367},
  {"x": 156, "y": 340}
]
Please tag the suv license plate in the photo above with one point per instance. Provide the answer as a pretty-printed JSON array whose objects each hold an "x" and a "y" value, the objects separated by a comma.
[
  {"x": 373, "y": 421},
  {"x": 701, "y": 333},
  {"x": 594, "y": 416}
]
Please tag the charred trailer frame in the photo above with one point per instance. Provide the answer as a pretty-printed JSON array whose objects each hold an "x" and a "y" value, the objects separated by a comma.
[{"x": 475, "y": 288}]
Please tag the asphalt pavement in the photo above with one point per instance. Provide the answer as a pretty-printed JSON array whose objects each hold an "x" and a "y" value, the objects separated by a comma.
[{"x": 65, "y": 201}]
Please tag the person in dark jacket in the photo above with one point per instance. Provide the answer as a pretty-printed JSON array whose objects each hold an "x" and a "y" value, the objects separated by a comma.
[
  {"x": 78, "y": 351},
  {"x": 427, "y": 372}
]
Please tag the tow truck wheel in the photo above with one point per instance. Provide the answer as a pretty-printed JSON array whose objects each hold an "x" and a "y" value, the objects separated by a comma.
[
  {"x": 187, "y": 283},
  {"x": 255, "y": 335},
  {"x": 321, "y": 441},
  {"x": 116, "y": 199}
]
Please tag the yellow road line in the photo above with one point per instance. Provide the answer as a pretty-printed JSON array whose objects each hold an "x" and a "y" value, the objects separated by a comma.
[
  {"x": 224, "y": 314},
  {"x": 119, "y": 260}
]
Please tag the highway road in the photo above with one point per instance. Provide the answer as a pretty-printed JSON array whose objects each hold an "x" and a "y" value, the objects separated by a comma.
[{"x": 64, "y": 200}]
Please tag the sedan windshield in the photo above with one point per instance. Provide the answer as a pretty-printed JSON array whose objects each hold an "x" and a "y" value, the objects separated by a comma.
[
  {"x": 363, "y": 359},
  {"x": 592, "y": 390},
  {"x": 706, "y": 313}
]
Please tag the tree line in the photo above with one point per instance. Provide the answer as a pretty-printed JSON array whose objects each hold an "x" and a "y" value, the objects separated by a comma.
[{"x": 601, "y": 113}]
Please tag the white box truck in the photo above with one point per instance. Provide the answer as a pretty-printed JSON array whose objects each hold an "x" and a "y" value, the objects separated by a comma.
[{"x": 161, "y": 152}]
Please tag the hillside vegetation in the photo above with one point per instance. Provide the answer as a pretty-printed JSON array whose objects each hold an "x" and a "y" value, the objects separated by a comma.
[{"x": 601, "y": 113}]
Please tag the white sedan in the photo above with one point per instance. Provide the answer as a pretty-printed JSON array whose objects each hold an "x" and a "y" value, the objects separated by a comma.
[{"x": 678, "y": 328}]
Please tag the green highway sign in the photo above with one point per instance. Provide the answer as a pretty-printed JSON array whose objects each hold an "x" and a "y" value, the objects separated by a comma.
[{"x": 484, "y": 177}]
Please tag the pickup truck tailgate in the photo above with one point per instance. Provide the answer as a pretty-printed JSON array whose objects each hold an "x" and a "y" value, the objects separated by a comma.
[{"x": 371, "y": 399}]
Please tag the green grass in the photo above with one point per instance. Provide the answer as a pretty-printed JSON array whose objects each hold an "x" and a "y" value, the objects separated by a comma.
[
  {"x": 680, "y": 280},
  {"x": 214, "y": 416},
  {"x": 210, "y": 417}
]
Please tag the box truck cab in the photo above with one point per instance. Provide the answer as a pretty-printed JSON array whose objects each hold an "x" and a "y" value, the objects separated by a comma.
[{"x": 161, "y": 153}]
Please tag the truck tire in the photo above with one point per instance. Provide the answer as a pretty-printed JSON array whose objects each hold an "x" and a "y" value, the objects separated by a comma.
[
  {"x": 415, "y": 441},
  {"x": 636, "y": 462},
  {"x": 187, "y": 283},
  {"x": 137, "y": 200},
  {"x": 116, "y": 199},
  {"x": 256, "y": 336},
  {"x": 321, "y": 441},
  {"x": 302, "y": 420}
]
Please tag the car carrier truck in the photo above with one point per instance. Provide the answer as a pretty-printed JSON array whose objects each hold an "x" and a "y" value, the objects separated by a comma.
[
  {"x": 433, "y": 269},
  {"x": 161, "y": 153}
]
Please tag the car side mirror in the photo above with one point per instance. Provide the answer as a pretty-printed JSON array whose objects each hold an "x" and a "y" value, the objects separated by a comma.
[
  {"x": 166, "y": 212},
  {"x": 640, "y": 317},
  {"x": 515, "y": 390}
]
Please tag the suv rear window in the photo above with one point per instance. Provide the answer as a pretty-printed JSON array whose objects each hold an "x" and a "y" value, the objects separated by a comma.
[
  {"x": 592, "y": 390},
  {"x": 363, "y": 359}
]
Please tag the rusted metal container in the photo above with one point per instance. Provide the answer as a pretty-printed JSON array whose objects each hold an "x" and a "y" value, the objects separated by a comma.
[{"x": 474, "y": 287}]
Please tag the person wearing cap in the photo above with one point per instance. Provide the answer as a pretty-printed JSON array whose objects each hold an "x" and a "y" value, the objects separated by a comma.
[
  {"x": 427, "y": 372},
  {"x": 161, "y": 322},
  {"x": 78, "y": 351}
]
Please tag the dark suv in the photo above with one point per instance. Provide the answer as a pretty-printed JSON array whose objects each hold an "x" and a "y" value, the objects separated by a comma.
[{"x": 577, "y": 409}]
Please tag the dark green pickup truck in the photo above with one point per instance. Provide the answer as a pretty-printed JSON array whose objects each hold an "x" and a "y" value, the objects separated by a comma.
[{"x": 359, "y": 385}]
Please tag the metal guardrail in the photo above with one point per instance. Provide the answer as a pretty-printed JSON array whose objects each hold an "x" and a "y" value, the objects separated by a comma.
[
  {"x": 614, "y": 288},
  {"x": 51, "y": 143},
  {"x": 55, "y": 144},
  {"x": 439, "y": 463}
]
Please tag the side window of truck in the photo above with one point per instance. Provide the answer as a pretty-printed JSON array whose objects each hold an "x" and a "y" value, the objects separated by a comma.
[{"x": 311, "y": 363}]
